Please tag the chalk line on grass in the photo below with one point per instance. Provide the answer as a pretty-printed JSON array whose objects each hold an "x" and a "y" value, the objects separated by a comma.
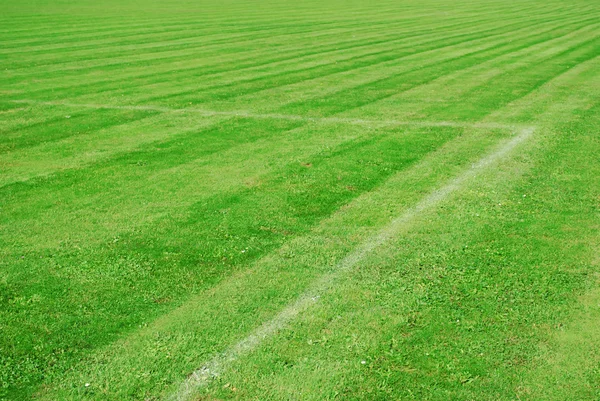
[
  {"x": 277, "y": 116},
  {"x": 218, "y": 363}
]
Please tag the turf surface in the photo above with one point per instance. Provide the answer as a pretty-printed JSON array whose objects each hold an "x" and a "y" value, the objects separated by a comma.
[{"x": 299, "y": 200}]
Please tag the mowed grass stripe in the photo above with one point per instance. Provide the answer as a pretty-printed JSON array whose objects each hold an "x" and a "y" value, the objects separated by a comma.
[
  {"x": 391, "y": 55},
  {"x": 293, "y": 124},
  {"x": 94, "y": 84},
  {"x": 221, "y": 36},
  {"x": 559, "y": 98},
  {"x": 181, "y": 335},
  {"x": 165, "y": 35},
  {"x": 126, "y": 28},
  {"x": 259, "y": 122},
  {"x": 219, "y": 363},
  {"x": 163, "y": 23},
  {"x": 437, "y": 335},
  {"x": 261, "y": 100},
  {"x": 234, "y": 12},
  {"x": 187, "y": 42},
  {"x": 280, "y": 58},
  {"x": 96, "y": 147},
  {"x": 465, "y": 99},
  {"x": 318, "y": 200},
  {"x": 286, "y": 352},
  {"x": 531, "y": 77},
  {"x": 143, "y": 35},
  {"x": 66, "y": 126},
  {"x": 157, "y": 169},
  {"x": 53, "y": 23},
  {"x": 378, "y": 90},
  {"x": 183, "y": 149},
  {"x": 320, "y": 47},
  {"x": 236, "y": 46},
  {"x": 257, "y": 85},
  {"x": 207, "y": 197},
  {"x": 421, "y": 103},
  {"x": 214, "y": 34},
  {"x": 474, "y": 293},
  {"x": 569, "y": 363},
  {"x": 170, "y": 21},
  {"x": 163, "y": 48}
]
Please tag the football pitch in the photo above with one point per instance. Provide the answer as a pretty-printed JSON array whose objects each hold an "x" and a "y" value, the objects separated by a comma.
[{"x": 300, "y": 200}]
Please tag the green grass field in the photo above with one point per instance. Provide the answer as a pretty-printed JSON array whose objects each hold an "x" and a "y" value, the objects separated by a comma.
[{"x": 310, "y": 200}]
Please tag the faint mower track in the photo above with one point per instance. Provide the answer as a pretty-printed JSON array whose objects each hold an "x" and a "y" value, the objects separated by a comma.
[
  {"x": 291, "y": 117},
  {"x": 214, "y": 367}
]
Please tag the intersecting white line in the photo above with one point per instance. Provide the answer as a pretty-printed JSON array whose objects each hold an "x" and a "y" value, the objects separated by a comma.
[
  {"x": 277, "y": 116},
  {"x": 215, "y": 366}
]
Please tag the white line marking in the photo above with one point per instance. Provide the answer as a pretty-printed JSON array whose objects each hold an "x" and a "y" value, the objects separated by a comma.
[
  {"x": 292, "y": 117},
  {"x": 218, "y": 363}
]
